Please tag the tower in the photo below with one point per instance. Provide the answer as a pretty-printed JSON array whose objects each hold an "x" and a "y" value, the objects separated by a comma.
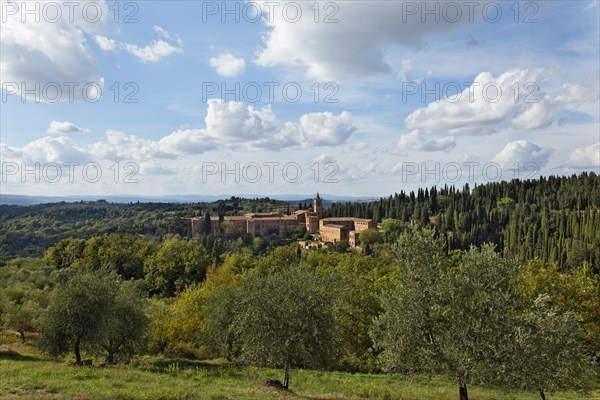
[{"x": 318, "y": 206}]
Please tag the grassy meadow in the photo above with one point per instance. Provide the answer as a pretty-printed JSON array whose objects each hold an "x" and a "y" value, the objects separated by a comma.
[{"x": 26, "y": 374}]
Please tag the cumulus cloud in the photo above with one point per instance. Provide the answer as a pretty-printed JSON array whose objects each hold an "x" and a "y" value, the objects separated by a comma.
[
  {"x": 118, "y": 146},
  {"x": 153, "y": 52},
  {"x": 236, "y": 122},
  {"x": 322, "y": 129},
  {"x": 154, "y": 168},
  {"x": 227, "y": 125},
  {"x": 231, "y": 125},
  {"x": 520, "y": 153},
  {"x": 165, "y": 46},
  {"x": 65, "y": 127},
  {"x": 186, "y": 141},
  {"x": 357, "y": 172},
  {"x": 106, "y": 43},
  {"x": 316, "y": 46},
  {"x": 45, "y": 150},
  {"x": 514, "y": 99},
  {"x": 43, "y": 52},
  {"x": 416, "y": 140},
  {"x": 35, "y": 54},
  {"x": 226, "y": 64},
  {"x": 163, "y": 34},
  {"x": 587, "y": 91},
  {"x": 585, "y": 157},
  {"x": 482, "y": 108}
]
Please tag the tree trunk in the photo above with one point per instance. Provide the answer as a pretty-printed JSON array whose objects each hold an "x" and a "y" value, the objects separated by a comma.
[
  {"x": 111, "y": 349},
  {"x": 542, "y": 394},
  {"x": 22, "y": 333},
  {"x": 462, "y": 389},
  {"x": 286, "y": 376},
  {"x": 77, "y": 351},
  {"x": 229, "y": 348}
]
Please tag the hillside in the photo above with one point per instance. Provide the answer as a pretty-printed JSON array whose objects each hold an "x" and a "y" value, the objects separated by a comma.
[{"x": 553, "y": 218}]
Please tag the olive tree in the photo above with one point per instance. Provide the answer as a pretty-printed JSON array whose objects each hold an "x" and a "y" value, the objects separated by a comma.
[
  {"x": 286, "y": 320},
  {"x": 93, "y": 311},
  {"x": 76, "y": 315},
  {"x": 445, "y": 318},
  {"x": 21, "y": 317},
  {"x": 126, "y": 321},
  {"x": 550, "y": 351},
  {"x": 219, "y": 311}
]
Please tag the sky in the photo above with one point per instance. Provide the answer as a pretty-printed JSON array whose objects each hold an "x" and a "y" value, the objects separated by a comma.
[{"x": 353, "y": 98}]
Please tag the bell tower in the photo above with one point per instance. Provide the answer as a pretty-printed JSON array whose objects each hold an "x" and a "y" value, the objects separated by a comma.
[{"x": 318, "y": 206}]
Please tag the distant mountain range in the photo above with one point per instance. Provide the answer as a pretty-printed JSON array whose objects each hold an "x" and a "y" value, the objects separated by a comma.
[{"x": 17, "y": 199}]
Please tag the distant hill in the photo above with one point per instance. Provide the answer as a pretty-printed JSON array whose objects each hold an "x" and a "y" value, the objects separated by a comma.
[{"x": 16, "y": 199}]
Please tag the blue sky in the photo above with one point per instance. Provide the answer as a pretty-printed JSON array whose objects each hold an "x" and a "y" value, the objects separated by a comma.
[{"x": 388, "y": 65}]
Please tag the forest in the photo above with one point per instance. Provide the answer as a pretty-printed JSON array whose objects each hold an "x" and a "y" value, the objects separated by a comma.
[
  {"x": 551, "y": 218},
  {"x": 556, "y": 219}
]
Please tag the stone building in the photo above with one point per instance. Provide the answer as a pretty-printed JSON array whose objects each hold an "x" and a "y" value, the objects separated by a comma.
[
  {"x": 250, "y": 223},
  {"x": 333, "y": 233},
  {"x": 313, "y": 217},
  {"x": 331, "y": 230}
]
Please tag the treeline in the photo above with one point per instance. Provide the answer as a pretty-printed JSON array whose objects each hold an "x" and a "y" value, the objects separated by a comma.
[
  {"x": 556, "y": 219},
  {"x": 27, "y": 231},
  {"x": 410, "y": 306}
]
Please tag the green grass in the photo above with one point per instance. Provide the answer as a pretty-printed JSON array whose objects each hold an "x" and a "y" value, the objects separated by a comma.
[{"x": 25, "y": 374}]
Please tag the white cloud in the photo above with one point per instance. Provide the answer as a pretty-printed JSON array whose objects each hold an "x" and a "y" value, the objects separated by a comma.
[
  {"x": 120, "y": 146},
  {"x": 38, "y": 53},
  {"x": 416, "y": 140},
  {"x": 226, "y": 64},
  {"x": 233, "y": 123},
  {"x": 154, "y": 168},
  {"x": 520, "y": 153},
  {"x": 349, "y": 38},
  {"x": 325, "y": 129},
  {"x": 236, "y": 122},
  {"x": 162, "y": 32},
  {"x": 45, "y": 150},
  {"x": 153, "y": 52},
  {"x": 65, "y": 127},
  {"x": 357, "y": 172},
  {"x": 105, "y": 43},
  {"x": 514, "y": 99},
  {"x": 587, "y": 91},
  {"x": 229, "y": 125},
  {"x": 187, "y": 141},
  {"x": 484, "y": 111},
  {"x": 158, "y": 49},
  {"x": 536, "y": 115},
  {"x": 585, "y": 157}
]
